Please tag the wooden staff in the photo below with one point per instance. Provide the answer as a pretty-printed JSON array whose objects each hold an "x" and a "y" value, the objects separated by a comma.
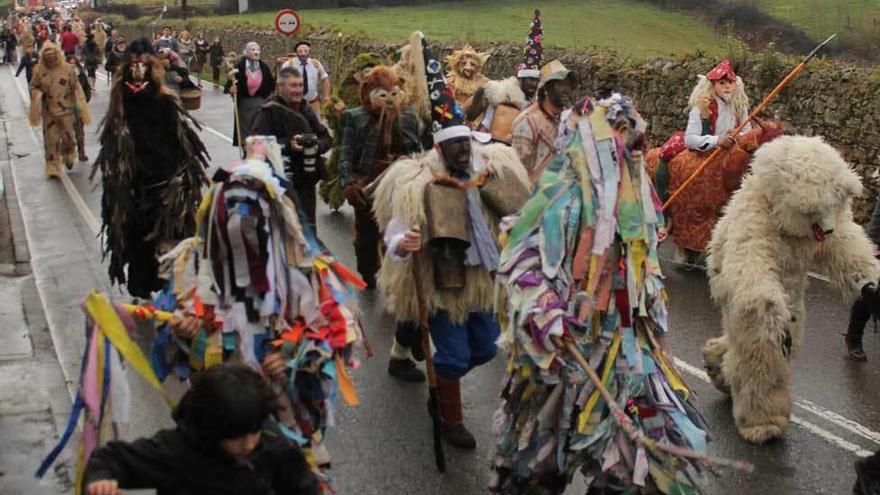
[
  {"x": 787, "y": 79},
  {"x": 433, "y": 396},
  {"x": 637, "y": 434}
]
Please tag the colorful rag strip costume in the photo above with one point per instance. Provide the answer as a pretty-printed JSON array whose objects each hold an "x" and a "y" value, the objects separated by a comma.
[
  {"x": 581, "y": 262},
  {"x": 259, "y": 280}
]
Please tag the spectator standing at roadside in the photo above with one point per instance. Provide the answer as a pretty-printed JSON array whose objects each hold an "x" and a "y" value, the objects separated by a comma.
[
  {"x": 316, "y": 81},
  {"x": 215, "y": 58},
  {"x": 200, "y": 55}
]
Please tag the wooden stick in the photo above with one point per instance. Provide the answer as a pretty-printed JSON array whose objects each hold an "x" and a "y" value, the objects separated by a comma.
[
  {"x": 434, "y": 399},
  {"x": 626, "y": 422}
]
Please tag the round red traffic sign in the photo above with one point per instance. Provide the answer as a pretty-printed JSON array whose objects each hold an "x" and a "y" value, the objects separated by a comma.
[{"x": 287, "y": 22}]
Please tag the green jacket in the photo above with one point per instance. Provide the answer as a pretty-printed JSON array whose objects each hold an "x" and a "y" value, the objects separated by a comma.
[{"x": 360, "y": 139}]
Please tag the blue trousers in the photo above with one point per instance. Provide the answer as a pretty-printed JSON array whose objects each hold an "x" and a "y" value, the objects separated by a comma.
[{"x": 459, "y": 347}]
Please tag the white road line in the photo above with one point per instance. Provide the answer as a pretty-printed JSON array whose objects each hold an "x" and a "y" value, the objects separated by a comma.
[
  {"x": 204, "y": 126},
  {"x": 830, "y": 416},
  {"x": 78, "y": 201},
  {"x": 822, "y": 433}
]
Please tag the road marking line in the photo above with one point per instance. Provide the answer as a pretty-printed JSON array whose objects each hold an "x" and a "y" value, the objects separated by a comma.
[
  {"x": 202, "y": 125},
  {"x": 822, "y": 433},
  {"x": 85, "y": 212}
]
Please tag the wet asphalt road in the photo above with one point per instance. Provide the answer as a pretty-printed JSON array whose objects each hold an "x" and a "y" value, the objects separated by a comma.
[{"x": 384, "y": 446}]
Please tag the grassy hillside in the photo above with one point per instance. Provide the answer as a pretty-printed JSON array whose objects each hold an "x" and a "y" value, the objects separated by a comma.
[
  {"x": 629, "y": 27},
  {"x": 820, "y": 18}
]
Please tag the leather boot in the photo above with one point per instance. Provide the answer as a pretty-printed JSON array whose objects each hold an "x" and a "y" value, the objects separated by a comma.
[
  {"x": 859, "y": 315},
  {"x": 854, "y": 348},
  {"x": 452, "y": 425}
]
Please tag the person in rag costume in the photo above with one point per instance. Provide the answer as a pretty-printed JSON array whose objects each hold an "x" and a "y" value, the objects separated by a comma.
[
  {"x": 374, "y": 135},
  {"x": 581, "y": 266},
  {"x": 536, "y": 128},
  {"x": 348, "y": 95},
  {"x": 718, "y": 105},
  {"x": 251, "y": 82},
  {"x": 57, "y": 101},
  {"x": 452, "y": 197},
  {"x": 256, "y": 286},
  {"x": 152, "y": 166},
  {"x": 495, "y": 106},
  {"x": 465, "y": 74}
]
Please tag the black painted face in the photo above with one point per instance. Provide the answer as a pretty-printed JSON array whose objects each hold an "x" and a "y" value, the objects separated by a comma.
[
  {"x": 457, "y": 152},
  {"x": 560, "y": 93},
  {"x": 529, "y": 85}
]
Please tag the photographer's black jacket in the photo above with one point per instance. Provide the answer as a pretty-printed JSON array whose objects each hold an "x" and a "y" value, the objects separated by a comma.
[{"x": 276, "y": 118}]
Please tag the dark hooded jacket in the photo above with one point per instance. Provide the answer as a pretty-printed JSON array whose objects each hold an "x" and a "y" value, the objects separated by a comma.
[{"x": 175, "y": 462}]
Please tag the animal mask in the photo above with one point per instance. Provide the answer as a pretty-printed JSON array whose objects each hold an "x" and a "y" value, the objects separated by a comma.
[
  {"x": 382, "y": 90},
  {"x": 51, "y": 55}
]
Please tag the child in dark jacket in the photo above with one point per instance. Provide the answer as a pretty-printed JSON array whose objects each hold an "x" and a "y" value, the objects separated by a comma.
[{"x": 224, "y": 443}]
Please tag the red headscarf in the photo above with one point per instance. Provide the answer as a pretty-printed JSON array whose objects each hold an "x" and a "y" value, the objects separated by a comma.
[{"x": 722, "y": 71}]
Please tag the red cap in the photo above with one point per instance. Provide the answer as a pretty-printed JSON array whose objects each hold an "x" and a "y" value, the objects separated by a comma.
[{"x": 722, "y": 71}]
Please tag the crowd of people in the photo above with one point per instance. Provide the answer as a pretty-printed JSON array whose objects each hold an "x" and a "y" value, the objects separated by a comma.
[{"x": 491, "y": 214}]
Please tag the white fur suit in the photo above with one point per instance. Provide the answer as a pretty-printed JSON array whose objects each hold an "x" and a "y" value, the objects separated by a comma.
[{"x": 791, "y": 215}]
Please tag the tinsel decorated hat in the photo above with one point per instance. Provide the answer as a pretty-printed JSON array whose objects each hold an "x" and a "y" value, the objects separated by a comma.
[
  {"x": 722, "y": 71},
  {"x": 446, "y": 116},
  {"x": 533, "y": 54}
]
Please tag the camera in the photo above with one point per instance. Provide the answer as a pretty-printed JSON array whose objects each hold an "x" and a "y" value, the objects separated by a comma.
[{"x": 307, "y": 141}]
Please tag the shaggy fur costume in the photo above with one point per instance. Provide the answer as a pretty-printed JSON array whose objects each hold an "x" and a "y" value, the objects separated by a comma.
[
  {"x": 759, "y": 256},
  {"x": 152, "y": 166},
  {"x": 505, "y": 91},
  {"x": 463, "y": 87},
  {"x": 57, "y": 101},
  {"x": 400, "y": 195}
]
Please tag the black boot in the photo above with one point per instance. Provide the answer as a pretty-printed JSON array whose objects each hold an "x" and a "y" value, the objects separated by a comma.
[
  {"x": 405, "y": 369},
  {"x": 859, "y": 315},
  {"x": 868, "y": 476},
  {"x": 452, "y": 425}
]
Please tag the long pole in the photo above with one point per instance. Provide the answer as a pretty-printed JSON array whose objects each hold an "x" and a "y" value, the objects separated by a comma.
[
  {"x": 631, "y": 430},
  {"x": 791, "y": 75},
  {"x": 433, "y": 396}
]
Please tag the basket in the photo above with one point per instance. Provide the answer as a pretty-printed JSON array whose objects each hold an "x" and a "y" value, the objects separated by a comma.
[{"x": 191, "y": 98}]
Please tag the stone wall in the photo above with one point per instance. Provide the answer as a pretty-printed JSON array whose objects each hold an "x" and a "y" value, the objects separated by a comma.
[{"x": 832, "y": 99}]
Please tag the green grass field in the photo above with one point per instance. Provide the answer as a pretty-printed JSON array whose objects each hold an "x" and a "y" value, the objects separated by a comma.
[
  {"x": 856, "y": 22},
  {"x": 821, "y": 18},
  {"x": 628, "y": 27}
]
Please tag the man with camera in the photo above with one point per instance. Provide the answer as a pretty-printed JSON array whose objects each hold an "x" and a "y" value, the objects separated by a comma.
[{"x": 303, "y": 137}]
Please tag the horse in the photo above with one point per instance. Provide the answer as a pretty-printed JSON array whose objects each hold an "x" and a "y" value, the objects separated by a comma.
[{"x": 693, "y": 214}]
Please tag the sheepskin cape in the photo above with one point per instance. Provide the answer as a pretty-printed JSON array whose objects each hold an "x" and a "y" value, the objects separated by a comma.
[
  {"x": 505, "y": 91},
  {"x": 400, "y": 195}
]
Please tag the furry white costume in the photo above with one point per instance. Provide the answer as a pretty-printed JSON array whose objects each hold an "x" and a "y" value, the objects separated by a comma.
[
  {"x": 791, "y": 215},
  {"x": 400, "y": 195}
]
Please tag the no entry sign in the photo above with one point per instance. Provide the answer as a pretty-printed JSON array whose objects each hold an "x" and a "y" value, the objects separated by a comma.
[{"x": 287, "y": 22}]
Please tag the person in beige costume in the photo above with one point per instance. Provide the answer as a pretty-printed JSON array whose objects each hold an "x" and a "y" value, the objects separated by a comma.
[{"x": 57, "y": 100}]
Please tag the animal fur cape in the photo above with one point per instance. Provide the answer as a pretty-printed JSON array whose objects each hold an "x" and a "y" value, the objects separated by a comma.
[
  {"x": 505, "y": 91},
  {"x": 400, "y": 195}
]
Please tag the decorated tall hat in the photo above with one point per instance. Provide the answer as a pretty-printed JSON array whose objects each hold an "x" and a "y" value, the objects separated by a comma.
[
  {"x": 533, "y": 54},
  {"x": 446, "y": 116}
]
